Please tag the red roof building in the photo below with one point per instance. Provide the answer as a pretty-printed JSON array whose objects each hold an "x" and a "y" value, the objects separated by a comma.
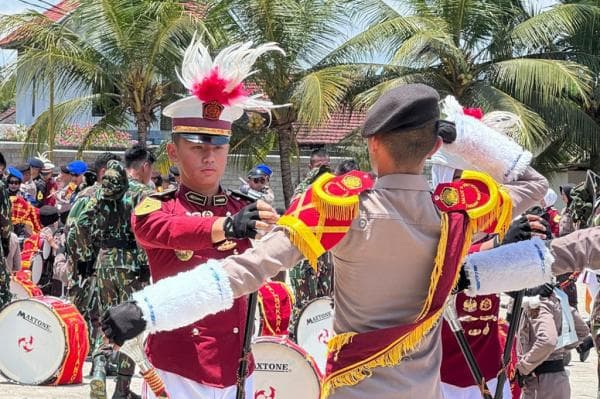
[
  {"x": 55, "y": 14},
  {"x": 340, "y": 125}
]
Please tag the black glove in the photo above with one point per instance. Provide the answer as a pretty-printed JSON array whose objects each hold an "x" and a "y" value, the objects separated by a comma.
[
  {"x": 519, "y": 230},
  {"x": 243, "y": 223},
  {"x": 123, "y": 322},
  {"x": 544, "y": 290},
  {"x": 463, "y": 282},
  {"x": 144, "y": 274}
]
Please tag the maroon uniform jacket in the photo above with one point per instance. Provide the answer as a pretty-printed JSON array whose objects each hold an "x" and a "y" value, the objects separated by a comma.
[{"x": 177, "y": 237}]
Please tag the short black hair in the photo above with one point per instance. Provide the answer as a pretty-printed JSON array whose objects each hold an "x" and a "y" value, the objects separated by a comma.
[
  {"x": 2, "y": 160},
  {"x": 102, "y": 160},
  {"x": 346, "y": 166},
  {"x": 409, "y": 147},
  {"x": 136, "y": 155},
  {"x": 319, "y": 152}
]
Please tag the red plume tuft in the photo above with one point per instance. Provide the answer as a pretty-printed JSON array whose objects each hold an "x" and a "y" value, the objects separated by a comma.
[
  {"x": 212, "y": 88},
  {"x": 476, "y": 113}
]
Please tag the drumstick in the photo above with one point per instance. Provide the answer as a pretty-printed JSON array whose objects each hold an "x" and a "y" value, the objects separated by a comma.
[{"x": 134, "y": 348}]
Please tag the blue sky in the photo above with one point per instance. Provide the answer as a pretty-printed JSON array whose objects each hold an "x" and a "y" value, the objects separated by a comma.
[{"x": 16, "y": 6}]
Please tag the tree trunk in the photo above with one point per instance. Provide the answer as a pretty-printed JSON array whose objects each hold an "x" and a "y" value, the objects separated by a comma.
[
  {"x": 51, "y": 123},
  {"x": 142, "y": 130},
  {"x": 595, "y": 161},
  {"x": 284, "y": 134}
]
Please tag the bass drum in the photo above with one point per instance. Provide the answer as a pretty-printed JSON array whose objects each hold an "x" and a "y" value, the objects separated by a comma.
[
  {"x": 284, "y": 370},
  {"x": 314, "y": 328},
  {"x": 44, "y": 341},
  {"x": 21, "y": 286}
]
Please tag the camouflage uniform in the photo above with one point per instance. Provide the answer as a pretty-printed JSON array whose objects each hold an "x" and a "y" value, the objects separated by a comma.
[
  {"x": 81, "y": 251},
  {"x": 120, "y": 264},
  {"x": 306, "y": 283},
  {"x": 5, "y": 231}
]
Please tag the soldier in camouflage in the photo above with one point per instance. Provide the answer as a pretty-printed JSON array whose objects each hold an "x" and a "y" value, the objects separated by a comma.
[
  {"x": 5, "y": 231},
  {"x": 121, "y": 266},
  {"x": 306, "y": 284},
  {"x": 81, "y": 251}
]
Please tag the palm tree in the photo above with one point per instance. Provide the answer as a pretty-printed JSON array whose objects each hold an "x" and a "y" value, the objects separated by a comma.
[
  {"x": 306, "y": 30},
  {"x": 492, "y": 54},
  {"x": 120, "y": 54}
]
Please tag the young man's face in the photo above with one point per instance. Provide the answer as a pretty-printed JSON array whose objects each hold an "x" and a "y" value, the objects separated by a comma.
[
  {"x": 199, "y": 164},
  {"x": 317, "y": 161},
  {"x": 258, "y": 183},
  {"x": 14, "y": 184},
  {"x": 35, "y": 172},
  {"x": 145, "y": 172},
  {"x": 27, "y": 175}
]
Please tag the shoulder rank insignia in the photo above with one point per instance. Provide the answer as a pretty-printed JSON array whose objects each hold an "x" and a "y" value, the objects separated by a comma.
[
  {"x": 487, "y": 204},
  {"x": 321, "y": 216},
  {"x": 147, "y": 206}
]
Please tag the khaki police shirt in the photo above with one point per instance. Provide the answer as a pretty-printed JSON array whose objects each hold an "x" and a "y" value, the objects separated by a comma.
[{"x": 382, "y": 274}]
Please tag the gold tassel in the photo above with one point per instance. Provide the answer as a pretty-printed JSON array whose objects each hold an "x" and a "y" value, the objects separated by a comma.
[
  {"x": 335, "y": 211},
  {"x": 389, "y": 358},
  {"x": 303, "y": 239}
]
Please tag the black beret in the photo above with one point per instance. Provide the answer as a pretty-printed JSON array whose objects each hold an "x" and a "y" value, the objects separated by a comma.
[
  {"x": 174, "y": 170},
  {"x": 402, "y": 108},
  {"x": 35, "y": 163},
  {"x": 48, "y": 215}
]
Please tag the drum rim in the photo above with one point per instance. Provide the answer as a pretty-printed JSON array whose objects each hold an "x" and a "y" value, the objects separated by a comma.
[
  {"x": 62, "y": 327},
  {"x": 280, "y": 340},
  {"x": 301, "y": 312}
]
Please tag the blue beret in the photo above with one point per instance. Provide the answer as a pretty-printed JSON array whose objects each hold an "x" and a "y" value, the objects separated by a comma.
[
  {"x": 265, "y": 169},
  {"x": 401, "y": 109},
  {"x": 77, "y": 167},
  {"x": 35, "y": 163},
  {"x": 12, "y": 171}
]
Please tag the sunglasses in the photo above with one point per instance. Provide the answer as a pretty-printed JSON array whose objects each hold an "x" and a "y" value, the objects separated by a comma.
[
  {"x": 261, "y": 180},
  {"x": 14, "y": 182}
]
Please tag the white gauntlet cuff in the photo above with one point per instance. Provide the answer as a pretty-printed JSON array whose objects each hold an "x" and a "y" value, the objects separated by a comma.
[
  {"x": 510, "y": 267},
  {"x": 180, "y": 300}
]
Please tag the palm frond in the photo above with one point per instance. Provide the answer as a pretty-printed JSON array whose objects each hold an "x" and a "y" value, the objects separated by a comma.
[
  {"x": 319, "y": 92},
  {"x": 550, "y": 78},
  {"x": 381, "y": 40},
  {"x": 543, "y": 29},
  {"x": 427, "y": 48},
  {"x": 535, "y": 131},
  {"x": 48, "y": 123},
  {"x": 428, "y": 77}
]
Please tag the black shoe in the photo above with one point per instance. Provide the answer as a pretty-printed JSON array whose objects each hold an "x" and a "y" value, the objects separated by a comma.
[
  {"x": 98, "y": 382},
  {"x": 122, "y": 391}
]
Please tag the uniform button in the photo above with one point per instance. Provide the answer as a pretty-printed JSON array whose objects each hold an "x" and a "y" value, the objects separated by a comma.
[
  {"x": 236, "y": 330},
  {"x": 228, "y": 214},
  {"x": 235, "y": 252},
  {"x": 195, "y": 332},
  {"x": 362, "y": 223},
  {"x": 207, "y": 214}
]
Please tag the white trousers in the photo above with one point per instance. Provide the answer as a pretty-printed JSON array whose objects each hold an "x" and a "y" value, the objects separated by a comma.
[
  {"x": 472, "y": 392},
  {"x": 179, "y": 387}
]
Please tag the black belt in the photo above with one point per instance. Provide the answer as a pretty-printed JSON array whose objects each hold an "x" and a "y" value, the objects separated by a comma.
[
  {"x": 550, "y": 366},
  {"x": 119, "y": 244}
]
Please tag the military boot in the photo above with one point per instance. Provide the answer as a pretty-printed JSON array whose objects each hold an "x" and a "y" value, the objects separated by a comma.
[
  {"x": 98, "y": 382},
  {"x": 123, "y": 391}
]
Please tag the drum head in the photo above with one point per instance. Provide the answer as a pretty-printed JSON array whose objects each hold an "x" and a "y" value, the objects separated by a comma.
[
  {"x": 17, "y": 290},
  {"x": 314, "y": 328},
  {"x": 33, "y": 342},
  {"x": 37, "y": 265},
  {"x": 283, "y": 371}
]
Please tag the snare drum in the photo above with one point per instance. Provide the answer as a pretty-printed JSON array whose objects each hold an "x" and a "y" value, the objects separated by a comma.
[
  {"x": 314, "y": 328},
  {"x": 284, "y": 370},
  {"x": 21, "y": 286},
  {"x": 44, "y": 340}
]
